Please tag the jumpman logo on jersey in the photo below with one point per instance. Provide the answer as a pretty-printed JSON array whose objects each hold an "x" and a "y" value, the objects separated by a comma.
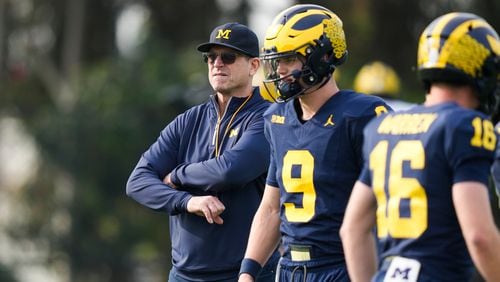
[{"x": 329, "y": 121}]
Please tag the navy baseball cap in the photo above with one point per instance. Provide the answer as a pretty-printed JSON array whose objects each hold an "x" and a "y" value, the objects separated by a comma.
[{"x": 235, "y": 36}]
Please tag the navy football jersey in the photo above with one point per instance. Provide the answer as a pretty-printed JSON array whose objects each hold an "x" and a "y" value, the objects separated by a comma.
[
  {"x": 315, "y": 164},
  {"x": 412, "y": 160}
]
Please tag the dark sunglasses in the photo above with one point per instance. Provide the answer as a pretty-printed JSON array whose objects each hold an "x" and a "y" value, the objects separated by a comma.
[{"x": 226, "y": 57}]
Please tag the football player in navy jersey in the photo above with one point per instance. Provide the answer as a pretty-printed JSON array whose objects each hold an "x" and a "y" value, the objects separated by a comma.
[
  {"x": 424, "y": 181},
  {"x": 315, "y": 134}
]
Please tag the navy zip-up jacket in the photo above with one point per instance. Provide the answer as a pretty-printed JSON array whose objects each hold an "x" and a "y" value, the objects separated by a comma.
[{"x": 186, "y": 148}]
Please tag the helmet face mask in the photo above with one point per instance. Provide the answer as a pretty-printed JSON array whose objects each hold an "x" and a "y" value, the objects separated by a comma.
[
  {"x": 311, "y": 33},
  {"x": 270, "y": 64},
  {"x": 289, "y": 85},
  {"x": 462, "y": 49}
]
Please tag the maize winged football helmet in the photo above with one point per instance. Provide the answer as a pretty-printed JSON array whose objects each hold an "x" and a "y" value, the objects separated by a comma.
[
  {"x": 311, "y": 33},
  {"x": 462, "y": 48},
  {"x": 377, "y": 78}
]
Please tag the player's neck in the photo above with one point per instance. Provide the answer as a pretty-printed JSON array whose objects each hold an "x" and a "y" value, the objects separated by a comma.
[
  {"x": 463, "y": 96},
  {"x": 310, "y": 103}
]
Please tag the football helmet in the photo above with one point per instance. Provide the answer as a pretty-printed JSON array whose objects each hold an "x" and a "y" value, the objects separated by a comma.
[
  {"x": 377, "y": 78},
  {"x": 310, "y": 33},
  {"x": 462, "y": 49}
]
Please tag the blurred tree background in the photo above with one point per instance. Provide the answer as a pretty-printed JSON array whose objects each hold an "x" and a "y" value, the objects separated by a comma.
[{"x": 86, "y": 87}]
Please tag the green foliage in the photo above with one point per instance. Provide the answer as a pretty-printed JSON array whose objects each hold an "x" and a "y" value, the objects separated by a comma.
[{"x": 121, "y": 109}]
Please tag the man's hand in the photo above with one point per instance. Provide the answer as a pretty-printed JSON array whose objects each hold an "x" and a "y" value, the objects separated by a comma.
[
  {"x": 208, "y": 206},
  {"x": 245, "y": 277},
  {"x": 168, "y": 181}
]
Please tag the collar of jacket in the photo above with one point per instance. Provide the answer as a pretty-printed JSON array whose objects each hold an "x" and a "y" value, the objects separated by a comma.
[{"x": 235, "y": 102}]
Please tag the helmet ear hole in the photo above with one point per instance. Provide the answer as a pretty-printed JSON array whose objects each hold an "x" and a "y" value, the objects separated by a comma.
[
  {"x": 319, "y": 61},
  {"x": 310, "y": 78}
]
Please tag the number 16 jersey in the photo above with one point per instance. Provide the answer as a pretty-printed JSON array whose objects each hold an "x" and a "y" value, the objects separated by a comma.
[{"x": 412, "y": 160}]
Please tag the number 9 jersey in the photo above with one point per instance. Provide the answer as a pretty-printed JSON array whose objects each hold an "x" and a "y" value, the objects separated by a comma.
[
  {"x": 315, "y": 164},
  {"x": 412, "y": 160}
]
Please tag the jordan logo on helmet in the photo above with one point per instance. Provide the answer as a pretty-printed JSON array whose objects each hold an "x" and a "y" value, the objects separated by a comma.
[{"x": 223, "y": 33}]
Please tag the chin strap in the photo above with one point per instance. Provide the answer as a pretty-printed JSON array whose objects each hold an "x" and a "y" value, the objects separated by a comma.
[{"x": 291, "y": 90}]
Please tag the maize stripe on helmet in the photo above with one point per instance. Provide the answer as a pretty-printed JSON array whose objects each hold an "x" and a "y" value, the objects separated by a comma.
[
  {"x": 310, "y": 31},
  {"x": 461, "y": 48}
]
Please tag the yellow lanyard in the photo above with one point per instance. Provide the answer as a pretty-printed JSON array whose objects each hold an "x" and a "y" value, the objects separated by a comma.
[{"x": 217, "y": 149}]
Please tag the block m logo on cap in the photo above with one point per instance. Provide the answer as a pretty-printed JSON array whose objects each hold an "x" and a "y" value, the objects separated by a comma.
[{"x": 223, "y": 33}]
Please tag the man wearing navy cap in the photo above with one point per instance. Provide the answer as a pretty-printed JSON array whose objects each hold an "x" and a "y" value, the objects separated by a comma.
[
  {"x": 234, "y": 36},
  {"x": 207, "y": 168}
]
